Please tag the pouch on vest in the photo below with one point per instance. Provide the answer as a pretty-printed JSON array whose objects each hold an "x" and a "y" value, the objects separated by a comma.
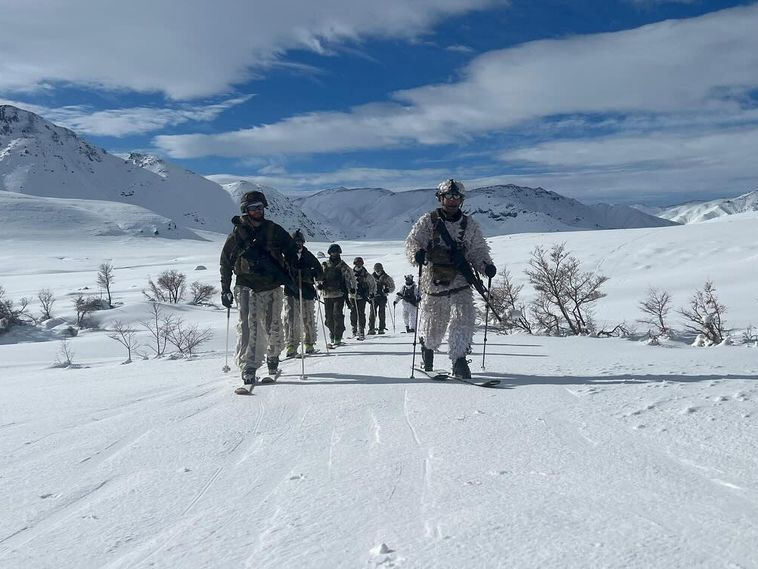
[{"x": 443, "y": 269}]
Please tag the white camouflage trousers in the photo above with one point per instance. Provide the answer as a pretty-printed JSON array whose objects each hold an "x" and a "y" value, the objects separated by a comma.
[
  {"x": 409, "y": 315},
  {"x": 292, "y": 333},
  {"x": 259, "y": 330},
  {"x": 457, "y": 310}
]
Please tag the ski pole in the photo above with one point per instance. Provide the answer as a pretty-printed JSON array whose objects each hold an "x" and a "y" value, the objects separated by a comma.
[
  {"x": 302, "y": 324},
  {"x": 486, "y": 320},
  {"x": 226, "y": 367},
  {"x": 323, "y": 325},
  {"x": 394, "y": 331},
  {"x": 415, "y": 328}
]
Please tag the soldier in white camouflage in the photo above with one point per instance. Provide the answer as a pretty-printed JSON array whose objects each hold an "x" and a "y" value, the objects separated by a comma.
[{"x": 447, "y": 303}]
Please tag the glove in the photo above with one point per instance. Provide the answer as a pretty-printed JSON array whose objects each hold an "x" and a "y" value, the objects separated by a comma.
[
  {"x": 227, "y": 299},
  {"x": 320, "y": 286},
  {"x": 420, "y": 256},
  {"x": 490, "y": 270}
]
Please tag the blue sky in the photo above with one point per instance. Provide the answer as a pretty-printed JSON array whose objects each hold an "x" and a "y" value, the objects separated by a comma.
[{"x": 603, "y": 100}]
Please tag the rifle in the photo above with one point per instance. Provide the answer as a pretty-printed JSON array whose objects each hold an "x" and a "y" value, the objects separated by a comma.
[{"x": 459, "y": 260}]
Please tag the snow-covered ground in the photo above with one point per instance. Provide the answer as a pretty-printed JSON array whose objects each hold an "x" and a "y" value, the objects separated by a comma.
[{"x": 592, "y": 453}]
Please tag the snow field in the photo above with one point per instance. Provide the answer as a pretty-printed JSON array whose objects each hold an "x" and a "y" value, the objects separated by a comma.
[{"x": 592, "y": 453}]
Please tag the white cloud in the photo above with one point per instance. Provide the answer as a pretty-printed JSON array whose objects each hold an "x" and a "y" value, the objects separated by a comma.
[
  {"x": 701, "y": 65},
  {"x": 128, "y": 121},
  {"x": 188, "y": 48}
]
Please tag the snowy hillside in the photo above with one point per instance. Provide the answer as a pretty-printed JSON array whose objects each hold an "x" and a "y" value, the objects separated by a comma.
[
  {"x": 38, "y": 217},
  {"x": 591, "y": 453},
  {"x": 376, "y": 213},
  {"x": 694, "y": 212},
  {"x": 282, "y": 210},
  {"x": 41, "y": 159}
]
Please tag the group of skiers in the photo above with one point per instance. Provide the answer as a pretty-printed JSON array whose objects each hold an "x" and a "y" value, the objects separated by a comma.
[{"x": 275, "y": 270}]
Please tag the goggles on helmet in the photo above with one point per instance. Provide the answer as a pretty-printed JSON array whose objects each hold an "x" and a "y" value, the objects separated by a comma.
[{"x": 257, "y": 206}]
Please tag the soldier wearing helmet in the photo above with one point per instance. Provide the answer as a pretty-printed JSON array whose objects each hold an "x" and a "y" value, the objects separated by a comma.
[{"x": 448, "y": 304}]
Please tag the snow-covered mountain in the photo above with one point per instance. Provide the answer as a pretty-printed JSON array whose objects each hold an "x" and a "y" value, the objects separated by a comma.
[
  {"x": 694, "y": 212},
  {"x": 377, "y": 213},
  {"x": 282, "y": 210},
  {"x": 41, "y": 159}
]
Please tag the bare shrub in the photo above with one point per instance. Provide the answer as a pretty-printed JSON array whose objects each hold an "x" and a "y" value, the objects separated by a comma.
[
  {"x": 750, "y": 335},
  {"x": 656, "y": 307},
  {"x": 12, "y": 314},
  {"x": 65, "y": 355},
  {"x": 201, "y": 293},
  {"x": 105, "y": 279},
  {"x": 565, "y": 294},
  {"x": 187, "y": 338},
  {"x": 504, "y": 298},
  {"x": 46, "y": 300},
  {"x": 705, "y": 314},
  {"x": 170, "y": 287},
  {"x": 126, "y": 336},
  {"x": 84, "y": 306},
  {"x": 158, "y": 325}
]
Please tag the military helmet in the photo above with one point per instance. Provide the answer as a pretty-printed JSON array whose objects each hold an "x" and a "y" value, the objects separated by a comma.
[
  {"x": 334, "y": 248},
  {"x": 450, "y": 188},
  {"x": 252, "y": 198}
]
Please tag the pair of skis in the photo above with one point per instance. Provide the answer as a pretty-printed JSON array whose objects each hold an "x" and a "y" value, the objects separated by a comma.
[
  {"x": 444, "y": 375},
  {"x": 271, "y": 378}
]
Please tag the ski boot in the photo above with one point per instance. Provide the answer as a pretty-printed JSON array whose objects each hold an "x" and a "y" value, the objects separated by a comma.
[
  {"x": 291, "y": 352},
  {"x": 371, "y": 332},
  {"x": 309, "y": 349},
  {"x": 273, "y": 365},
  {"x": 407, "y": 329},
  {"x": 461, "y": 369},
  {"x": 428, "y": 356},
  {"x": 380, "y": 331},
  {"x": 355, "y": 332},
  {"x": 361, "y": 334},
  {"x": 248, "y": 376}
]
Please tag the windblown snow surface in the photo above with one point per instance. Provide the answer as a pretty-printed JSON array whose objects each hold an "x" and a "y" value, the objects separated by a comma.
[{"x": 592, "y": 452}]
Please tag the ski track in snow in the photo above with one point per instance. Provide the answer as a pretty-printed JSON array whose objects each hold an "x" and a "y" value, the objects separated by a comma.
[{"x": 599, "y": 453}]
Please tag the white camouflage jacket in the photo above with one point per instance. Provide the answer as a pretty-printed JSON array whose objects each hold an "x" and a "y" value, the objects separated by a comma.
[{"x": 474, "y": 246}]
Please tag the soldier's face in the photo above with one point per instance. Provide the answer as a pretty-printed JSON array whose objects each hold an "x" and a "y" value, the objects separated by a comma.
[
  {"x": 451, "y": 202},
  {"x": 255, "y": 211}
]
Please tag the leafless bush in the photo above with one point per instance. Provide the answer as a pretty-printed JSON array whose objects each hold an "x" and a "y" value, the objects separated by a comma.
[
  {"x": 565, "y": 294},
  {"x": 105, "y": 279},
  {"x": 170, "y": 287},
  {"x": 656, "y": 307},
  {"x": 46, "y": 300},
  {"x": 201, "y": 293},
  {"x": 504, "y": 298},
  {"x": 84, "y": 306},
  {"x": 158, "y": 325},
  {"x": 750, "y": 335},
  {"x": 187, "y": 338},
  {"x": 65, "y": 355},
  {"x": 126, "y": 336},
  {"x": 545, "y": 317},
  {"x": 10, "y": 313},
  {"x": 622, "y": 330},
  {"x": 705, "y": 314}
]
